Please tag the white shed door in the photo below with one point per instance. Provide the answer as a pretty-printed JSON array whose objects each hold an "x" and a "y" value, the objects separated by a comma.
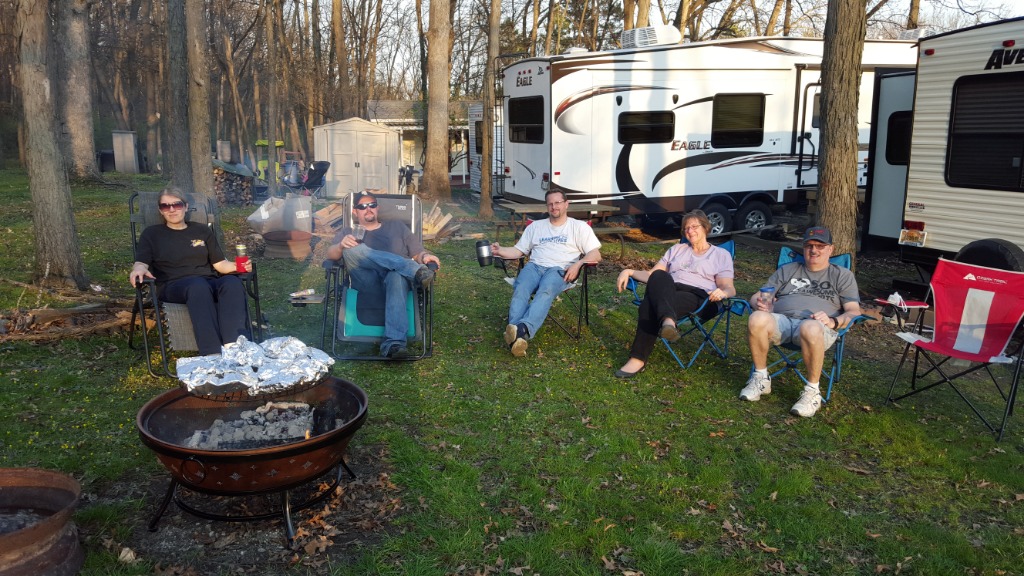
[
  {"x": 344, "y": 159},
  {"x": 372, "y": 161}
]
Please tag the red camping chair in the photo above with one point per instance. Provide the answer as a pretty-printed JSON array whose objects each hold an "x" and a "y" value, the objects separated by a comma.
[{"x": 977, "y": 312}]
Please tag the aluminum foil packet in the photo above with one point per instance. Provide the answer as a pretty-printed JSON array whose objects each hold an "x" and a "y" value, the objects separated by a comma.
[{"x": 276, "y": 365}]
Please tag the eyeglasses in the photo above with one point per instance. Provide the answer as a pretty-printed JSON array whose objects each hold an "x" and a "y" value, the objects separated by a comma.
[
  {"x": 695, "y": 227},
  {"x": 365, "y": 206},
  {"x": 818, "y": 247},
  {"x": 179, "y": 205}
]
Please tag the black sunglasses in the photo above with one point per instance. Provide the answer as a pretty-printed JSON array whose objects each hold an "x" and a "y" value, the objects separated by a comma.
[
  {"x": 365, "y": 206},
  {"x": 179, "y": 205}
]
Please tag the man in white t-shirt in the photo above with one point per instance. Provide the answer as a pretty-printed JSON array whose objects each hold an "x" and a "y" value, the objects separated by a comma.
[{"x": 555, "y": 246}]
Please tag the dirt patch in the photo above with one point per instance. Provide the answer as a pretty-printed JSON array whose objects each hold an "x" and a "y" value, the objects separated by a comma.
[{"x": 328, "y": 534}]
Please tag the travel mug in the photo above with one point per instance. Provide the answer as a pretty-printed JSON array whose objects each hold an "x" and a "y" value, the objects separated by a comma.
[{"x": 483, "y": 253}]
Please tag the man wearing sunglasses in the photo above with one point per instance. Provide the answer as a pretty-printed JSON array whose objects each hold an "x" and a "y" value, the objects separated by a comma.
[
  {"x": 387, "y": 258},
  {"x": 811, "y": 301}
]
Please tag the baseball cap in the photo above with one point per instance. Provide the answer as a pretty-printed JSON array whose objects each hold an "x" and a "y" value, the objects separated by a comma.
[
  {"x": 819, "y": 234},
  {"x": 362, "y": 194}
]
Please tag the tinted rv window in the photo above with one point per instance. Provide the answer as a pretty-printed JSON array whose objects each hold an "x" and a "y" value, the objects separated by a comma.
[
  {"x": 478, "y": 135},
  {"x": 897, "y": 139},
  {"x": 526, "y": 120},
  {"x": 986, "y": 132},
  {"x": 737, "y": 120},
  {"x": 646, "y": 127}
]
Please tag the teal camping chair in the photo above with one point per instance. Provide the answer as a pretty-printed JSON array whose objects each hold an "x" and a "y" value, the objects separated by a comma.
[
  {"x": 351, "y": 317},
  {"x": 789, "y": 354},
  {"x": 693, "y": 322}
]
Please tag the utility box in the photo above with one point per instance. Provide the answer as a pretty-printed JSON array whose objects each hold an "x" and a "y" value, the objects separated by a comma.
[
  {"x": 125, "y": 158},
  {"x": 224, "y": 151}
]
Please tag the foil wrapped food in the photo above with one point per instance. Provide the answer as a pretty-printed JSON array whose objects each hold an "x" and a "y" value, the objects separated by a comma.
[{"x": 274, "y": 366}]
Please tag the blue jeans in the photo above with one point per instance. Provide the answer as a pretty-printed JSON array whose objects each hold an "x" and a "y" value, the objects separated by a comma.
[
  {"x": 217, "y": 307},
  {"x": 372, "y": 269},
  {"x": 544, "y": 284}
]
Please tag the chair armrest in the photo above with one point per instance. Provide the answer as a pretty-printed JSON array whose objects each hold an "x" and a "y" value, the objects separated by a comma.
[
  {"x": 633, "y": 285},
  {"x": 856, "y": 320}
]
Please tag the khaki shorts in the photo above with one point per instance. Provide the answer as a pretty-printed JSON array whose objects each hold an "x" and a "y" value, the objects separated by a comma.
[{"x": 789, "y": 331}]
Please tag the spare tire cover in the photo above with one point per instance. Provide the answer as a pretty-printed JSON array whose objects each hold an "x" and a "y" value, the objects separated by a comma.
[{"x": 993, "y": 253}]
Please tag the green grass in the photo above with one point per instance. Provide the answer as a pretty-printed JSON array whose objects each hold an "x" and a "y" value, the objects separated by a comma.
[{"x": 549, "y": 461}]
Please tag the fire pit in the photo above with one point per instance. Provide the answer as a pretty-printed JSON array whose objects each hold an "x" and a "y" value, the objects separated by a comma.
[
  {"x": 168, "y": 422},
  {"x": 36, "y": 535}
]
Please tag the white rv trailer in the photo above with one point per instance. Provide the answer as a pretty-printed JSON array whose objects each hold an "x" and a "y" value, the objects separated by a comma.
[
  {"x": 476, "y": 149},
  {"x": 965, "y": 178},
  {"x": 729, "y": 126}
]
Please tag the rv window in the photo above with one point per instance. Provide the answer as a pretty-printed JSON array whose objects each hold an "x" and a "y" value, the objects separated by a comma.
[
  {"x": 737, "y": 120},
  {"x": 986, "y": 132},
  {"x": 816, "y": 112},
  {"x": 526, "y": 120},
  {"x": 646, "y": 127},
  {"x": 478, "y": 135},
  {"x": 897, "y": 138}
]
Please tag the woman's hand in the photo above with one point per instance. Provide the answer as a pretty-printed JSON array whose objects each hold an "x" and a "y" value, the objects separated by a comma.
[
  {"x": 717, "y": 295},
  {"x": 623, "y": 279},
  {"x": 138, "y": 274}
]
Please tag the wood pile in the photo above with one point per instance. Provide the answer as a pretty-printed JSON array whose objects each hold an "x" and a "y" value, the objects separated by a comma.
[
  {"x": 328, "y": 220},
  {"x": 437, "y": 224},
  {"x": 232, "y": 189}
]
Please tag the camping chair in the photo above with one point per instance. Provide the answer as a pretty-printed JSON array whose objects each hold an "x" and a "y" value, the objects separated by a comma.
[
  {"x": 314, "y": 181},
  {"x": 173, "y": 323},
  {"x": 693, "y": 322},
  {"x": 358, "y": 317},
  {"x": 577, "y": 294},
  {"x": 978, "y": 310},
  {"x": 789, "y": 353}
]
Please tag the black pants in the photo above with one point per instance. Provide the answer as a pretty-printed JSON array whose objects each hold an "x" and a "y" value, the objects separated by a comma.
[
  {"x": 217, "y": 306},
  {"x": 664, "y": 298}
]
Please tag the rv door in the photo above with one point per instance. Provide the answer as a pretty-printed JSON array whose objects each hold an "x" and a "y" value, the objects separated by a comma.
[{"x": 808, "y": 136}]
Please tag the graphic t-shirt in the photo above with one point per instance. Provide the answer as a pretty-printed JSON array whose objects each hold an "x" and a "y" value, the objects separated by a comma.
[
  {"x": 801, "y": 292},
  {"x": 557, "y": 246},
  {"x": 175, "y": 254}
]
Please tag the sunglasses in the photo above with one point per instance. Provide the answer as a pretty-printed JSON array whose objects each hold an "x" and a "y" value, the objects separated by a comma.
[
  {"x": 365, "y": 206},
  {"x": 179, "y": 205}
]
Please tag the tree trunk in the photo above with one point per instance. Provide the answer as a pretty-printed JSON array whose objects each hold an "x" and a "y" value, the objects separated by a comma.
[
  {"x": 179, "y": 151},
  {"x": 533, "y": 32},
  {"x": 58, "y": 257},
  {"x": 551, "y": 27},
  {"x": 341, "y": 53},
  {"x": 487, "y": 159},
  {"x": 912, "y": 15},
  {"x": 77, "y": 116},
  {"x": 643, "y": 13},
  {"x": 435, "y": 176},
  {"x": 271, "y": 123},
  {"x": 773, "y": 19},
  {"x": 845, "y": 28},
  {"x": 199, "y": 97}
]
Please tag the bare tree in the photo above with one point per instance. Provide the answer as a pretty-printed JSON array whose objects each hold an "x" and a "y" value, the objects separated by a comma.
[
  {"x": 179, "y": 152},
  {"x": 272, "y": 115},
  {"x": 435, "y": 181},
  {"x": 487, "y": 159},
  {"x": 845, "y": 27},
  {"x": 58, "y": 257},
  {"x": 198, "y": 96},
  {"x": 73, "y": 18}
]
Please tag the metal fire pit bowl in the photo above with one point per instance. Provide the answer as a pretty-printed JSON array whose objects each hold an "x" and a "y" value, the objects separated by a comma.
[
  {"x": 49, "y": 546},
  {"x": 166, "y": 421}
]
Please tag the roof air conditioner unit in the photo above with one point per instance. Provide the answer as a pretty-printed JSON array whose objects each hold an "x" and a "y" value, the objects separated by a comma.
[{"x": 650, "y": 36}]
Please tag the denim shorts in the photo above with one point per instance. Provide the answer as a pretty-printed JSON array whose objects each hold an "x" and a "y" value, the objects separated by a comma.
[{"x": 789, "y": 330}]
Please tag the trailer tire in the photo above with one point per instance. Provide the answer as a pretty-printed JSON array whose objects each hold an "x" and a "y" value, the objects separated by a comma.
[
  {"x": 719, "y": 217},
  {"x": 752, "y": 215},
  {"x": 993, "y": 253}
]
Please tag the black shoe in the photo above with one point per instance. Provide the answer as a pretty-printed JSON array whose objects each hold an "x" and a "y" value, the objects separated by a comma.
[
  {"x": 522, "y": 331},
  {"x": 625, "y": 375},
  {"x": 424, "y": 277},
  {"x": 396, "y": 352}
]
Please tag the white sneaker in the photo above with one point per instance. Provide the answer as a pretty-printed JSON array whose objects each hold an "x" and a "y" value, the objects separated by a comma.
[
  {"x": 808, "y": 404},
  {"x": 756, "y": 386}
]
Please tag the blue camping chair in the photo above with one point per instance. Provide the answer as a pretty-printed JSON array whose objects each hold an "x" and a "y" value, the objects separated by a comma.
[
  {"x": 353, "y": 317},
  {"x": 789, "y": 354},
  {"x": 693, "y": 322}
]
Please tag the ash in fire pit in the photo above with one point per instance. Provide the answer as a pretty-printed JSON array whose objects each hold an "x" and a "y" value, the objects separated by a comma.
[
  {"x": 272, "y": 424},
  {"x": 14, "y": 520}
]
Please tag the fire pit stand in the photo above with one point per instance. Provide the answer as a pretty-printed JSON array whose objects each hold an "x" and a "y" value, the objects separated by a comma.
[{"x": 165, "y": 421}]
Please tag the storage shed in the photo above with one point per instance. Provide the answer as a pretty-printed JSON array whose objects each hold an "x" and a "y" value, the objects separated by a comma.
[{"x": 362, "y": 155}]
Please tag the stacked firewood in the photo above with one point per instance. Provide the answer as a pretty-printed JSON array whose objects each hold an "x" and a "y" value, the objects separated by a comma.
[
  {"x": 436, "y": 224},
  {"x": 232, "y": 189}
]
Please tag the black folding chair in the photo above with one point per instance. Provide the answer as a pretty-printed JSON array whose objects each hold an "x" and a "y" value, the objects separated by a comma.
[
  {"x": 173, "y": 323},
  {"x": 314, "y": 182},
  {"x": 357, "y": 318}
]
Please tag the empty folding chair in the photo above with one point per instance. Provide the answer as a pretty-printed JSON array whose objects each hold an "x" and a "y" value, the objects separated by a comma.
[{"x": 978, "y": 311}]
